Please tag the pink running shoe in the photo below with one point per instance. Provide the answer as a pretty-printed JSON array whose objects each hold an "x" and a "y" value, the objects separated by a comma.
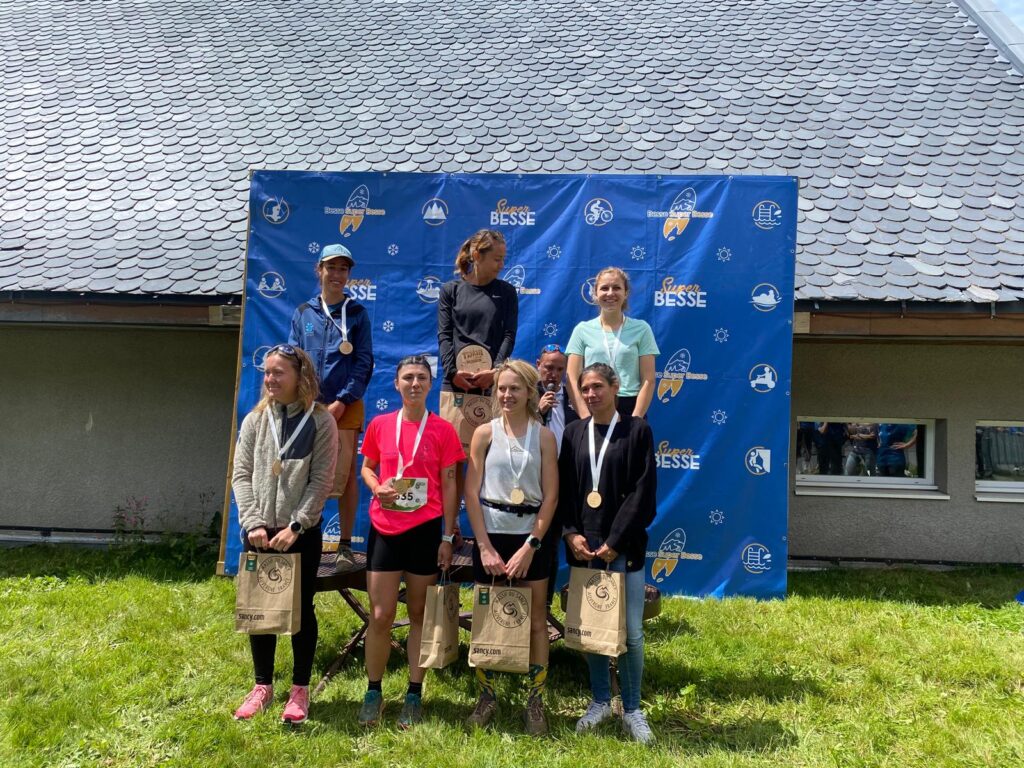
[
  {"x": 257, "y": 700},
  {"x": 297, "y": 708}
]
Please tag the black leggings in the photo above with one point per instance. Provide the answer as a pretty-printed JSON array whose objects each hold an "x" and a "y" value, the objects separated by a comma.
[{"x": 308, "y": 547}]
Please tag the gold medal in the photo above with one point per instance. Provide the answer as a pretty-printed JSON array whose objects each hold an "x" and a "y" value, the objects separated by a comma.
[
  {"x": 594, "y": 499},
  {"x": 277, "y": 468},
  {"x": 402, "y": 484},
  {"x": 517, "y": 496},
  {"x": 345, "y": 347}
]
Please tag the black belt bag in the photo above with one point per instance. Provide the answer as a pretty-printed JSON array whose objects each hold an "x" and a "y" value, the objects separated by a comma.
[{"x": 515, "y": 509}]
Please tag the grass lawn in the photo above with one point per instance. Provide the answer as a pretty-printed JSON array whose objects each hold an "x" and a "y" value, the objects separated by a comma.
[{"x": 127, "y": 659}]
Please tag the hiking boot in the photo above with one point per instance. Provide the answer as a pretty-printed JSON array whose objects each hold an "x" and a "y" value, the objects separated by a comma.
[
  {"x": 596, "y": 713},
  {"x": 635, "y": 724},
  {"x": 297, "y": 708},
  {"x": 256, "y": 700},
  {"x": 533, "y": 715},
  {"x": 412, "y": 711},
  {"x": 483, "y": 713},
  {"x": 344, "y": 560},
  {"x": 373, "y": 707}
]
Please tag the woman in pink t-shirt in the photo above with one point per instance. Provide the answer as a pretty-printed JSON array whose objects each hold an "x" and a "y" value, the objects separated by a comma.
[{"x": 409, "y": 459}]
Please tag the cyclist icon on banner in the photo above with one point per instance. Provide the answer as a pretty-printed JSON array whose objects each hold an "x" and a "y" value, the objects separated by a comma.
[{"x": 598, "y": 212}]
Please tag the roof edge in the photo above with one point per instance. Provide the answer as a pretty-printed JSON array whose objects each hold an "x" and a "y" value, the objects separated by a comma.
[
  {"x": 77, "y": 297},
  {"x": 902, "y": 307},
  {"x": 1000, "y": 29}
]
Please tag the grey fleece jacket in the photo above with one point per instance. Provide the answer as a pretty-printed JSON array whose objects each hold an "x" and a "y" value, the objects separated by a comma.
[{"x": 307, "y": 472}]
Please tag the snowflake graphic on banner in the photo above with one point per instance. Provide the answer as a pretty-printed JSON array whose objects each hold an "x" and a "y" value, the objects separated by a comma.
[
  {"x": 717, "y": 517},
  {"x": 554, "y": 251},
  {"x": 382, "y": 404},
  {"x": 724, "y": 254},
  {"x": 638, "y": 253},
  {"x": 721, "y": 335},
  {"x": 550, "y": 329},
  {"x": 392, "y": 250},
  {"x": 313, "y": 247},
  {"x": 719, "y": 417},
  {"x": 388, "y": 326}
]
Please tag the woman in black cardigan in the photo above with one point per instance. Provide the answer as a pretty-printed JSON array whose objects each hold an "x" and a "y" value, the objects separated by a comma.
[{"x": 607, "y": 491}]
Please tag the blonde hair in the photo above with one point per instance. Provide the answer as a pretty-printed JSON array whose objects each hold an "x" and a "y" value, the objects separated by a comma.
[
  {"x": 308, "y": 388},
  {"x": 480, "y": 242},
  {"x": 529, "y": 377},
  {"x": 619, "y": 274}
]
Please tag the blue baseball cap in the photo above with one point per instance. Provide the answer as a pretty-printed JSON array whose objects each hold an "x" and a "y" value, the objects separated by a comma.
[{"x": 336, "y": 251}]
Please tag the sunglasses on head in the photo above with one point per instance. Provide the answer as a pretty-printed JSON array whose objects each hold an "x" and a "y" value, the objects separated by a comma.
[
  {"x": 550, "y": 348},
  {"x": 284, "y": 349}
]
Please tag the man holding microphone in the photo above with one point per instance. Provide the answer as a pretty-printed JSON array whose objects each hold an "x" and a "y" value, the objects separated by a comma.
[
  {"x": 556, "y": 410},
  {"x": 556, "y": 407}
]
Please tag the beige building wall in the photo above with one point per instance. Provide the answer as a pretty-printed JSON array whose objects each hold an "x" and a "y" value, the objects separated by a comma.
[
  {"x": 93, "y": 416},
  {"x": 955, "y": 383}
]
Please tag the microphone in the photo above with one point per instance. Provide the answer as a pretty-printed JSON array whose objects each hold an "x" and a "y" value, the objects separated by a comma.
[{"x": 551, "y": 387}]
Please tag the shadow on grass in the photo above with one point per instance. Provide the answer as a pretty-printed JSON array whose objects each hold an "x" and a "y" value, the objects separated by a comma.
[
  {"x": 987, "y": 587},
  {"x": 171, "y": 560},
  {"x": 699, "y": 735}
]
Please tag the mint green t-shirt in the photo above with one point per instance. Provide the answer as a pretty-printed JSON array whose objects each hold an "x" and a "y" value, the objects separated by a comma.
[{"x": 589, "y": 341}]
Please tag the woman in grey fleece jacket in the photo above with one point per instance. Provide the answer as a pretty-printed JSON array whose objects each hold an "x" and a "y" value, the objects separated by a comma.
[{"x": 283, "y": 471}]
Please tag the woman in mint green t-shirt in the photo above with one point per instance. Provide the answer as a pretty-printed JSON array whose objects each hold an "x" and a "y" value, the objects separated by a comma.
[{"x": 625, "y": 343}]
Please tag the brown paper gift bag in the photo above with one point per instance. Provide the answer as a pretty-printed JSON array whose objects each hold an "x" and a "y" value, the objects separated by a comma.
[
  {"x": 268, "y": 600},
  {"x": 501, "y": 628},
  {"x": 439, "y": 645},
  {"x": 595, "y": 615},
  {"x": 465, "y": 413}
]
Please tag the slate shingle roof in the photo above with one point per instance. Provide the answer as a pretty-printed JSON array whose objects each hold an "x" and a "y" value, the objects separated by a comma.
[{"x": 129, "y": 127}]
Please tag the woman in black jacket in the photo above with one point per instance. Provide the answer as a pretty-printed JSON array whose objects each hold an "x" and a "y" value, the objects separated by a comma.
[{"x": 607, "y": 499}]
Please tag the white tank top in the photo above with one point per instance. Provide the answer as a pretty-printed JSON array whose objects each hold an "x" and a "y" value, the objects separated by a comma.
[{"x": 499, "y": 479}]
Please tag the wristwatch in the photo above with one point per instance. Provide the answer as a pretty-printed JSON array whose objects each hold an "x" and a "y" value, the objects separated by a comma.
[
  {"x": 296, "y": 526},
  {"x": 533, "y": 541},
  {"x": 448, "y": 538}
]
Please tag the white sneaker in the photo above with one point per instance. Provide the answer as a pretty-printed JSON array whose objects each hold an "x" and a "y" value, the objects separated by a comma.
[
  {"x": 596, "y": 714},
  {"x": 635, "y": 724}
]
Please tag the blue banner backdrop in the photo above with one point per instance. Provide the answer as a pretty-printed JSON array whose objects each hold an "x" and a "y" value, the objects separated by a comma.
[{"x": 711, "y": 263}]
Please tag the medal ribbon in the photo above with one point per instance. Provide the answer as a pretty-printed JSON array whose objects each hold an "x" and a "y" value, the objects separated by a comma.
[
  {"x": 277, "y": 440},
  {"x": 343, "y": 328},
  {"x": 526, "y": 450},
  {"x": 402, "y": 466},
  {"x": 595, "y": 466},
  {"x": 608, "y": 349}
]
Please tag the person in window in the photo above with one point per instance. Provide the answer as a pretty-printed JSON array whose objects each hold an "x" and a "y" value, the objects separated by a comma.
[
  {"x": 283, "y": 470},
  {"x": 832, "y": 437},
  {"x": 806, "y": 446},
  {"x": 863, "y": 447},
  {"x": 893, "y": 439}
]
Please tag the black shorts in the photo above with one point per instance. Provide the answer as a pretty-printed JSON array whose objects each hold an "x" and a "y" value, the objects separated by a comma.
[
  {"x": 414, "y": 551},
  {"x": 506, "y": 545}
]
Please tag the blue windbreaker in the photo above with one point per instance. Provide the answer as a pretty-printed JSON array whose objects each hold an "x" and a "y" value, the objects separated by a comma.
[{"x": 342, "y": 377}]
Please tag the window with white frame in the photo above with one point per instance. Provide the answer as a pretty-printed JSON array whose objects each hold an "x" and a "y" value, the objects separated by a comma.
[
  {"x": 999, "y": 457},
  {"x": 865, "y": 452}
]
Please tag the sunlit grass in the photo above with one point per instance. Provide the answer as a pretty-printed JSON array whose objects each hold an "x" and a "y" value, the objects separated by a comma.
[{"x": 115, "y": 660}]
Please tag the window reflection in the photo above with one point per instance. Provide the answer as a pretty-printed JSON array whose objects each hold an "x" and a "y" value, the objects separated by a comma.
[
  {"x": 861, "y": 449},
  {"x": 999, "y": 453}
]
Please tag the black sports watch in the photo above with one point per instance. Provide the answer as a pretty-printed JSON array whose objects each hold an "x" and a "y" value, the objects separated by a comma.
[
  {"x": 296, "y": 526},
  {"x": 533, "y": 541}
]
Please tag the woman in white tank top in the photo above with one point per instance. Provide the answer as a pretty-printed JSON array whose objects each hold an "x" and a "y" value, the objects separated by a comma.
[{"x": 511, "y": 495}]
